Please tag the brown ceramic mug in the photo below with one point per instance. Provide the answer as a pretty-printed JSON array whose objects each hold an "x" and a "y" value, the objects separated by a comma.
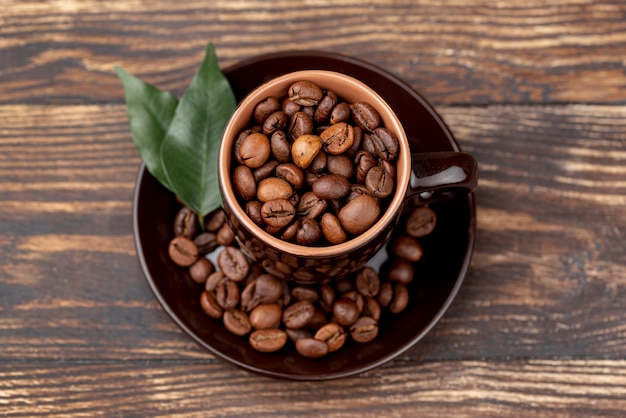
[{"x": 420, "y": 178}]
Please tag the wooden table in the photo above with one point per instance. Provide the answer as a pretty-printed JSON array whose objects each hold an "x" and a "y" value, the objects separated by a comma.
[{"x": 535, "y": 90}]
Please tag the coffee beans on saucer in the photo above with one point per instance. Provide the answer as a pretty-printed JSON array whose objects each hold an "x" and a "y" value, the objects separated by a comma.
[
  {"x": 313, "y": 169},
  {"x": 276, "y": 315}
]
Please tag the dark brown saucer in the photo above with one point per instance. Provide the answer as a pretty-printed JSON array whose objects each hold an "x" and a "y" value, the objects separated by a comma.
[{"x": 447, "y": 251}]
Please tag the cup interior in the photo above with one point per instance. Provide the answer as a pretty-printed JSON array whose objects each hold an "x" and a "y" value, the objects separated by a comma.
[{"x": 349, "y": 90}]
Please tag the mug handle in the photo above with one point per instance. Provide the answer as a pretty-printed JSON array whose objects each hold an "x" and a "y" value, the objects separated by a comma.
[{"x": 440, "y": 175}]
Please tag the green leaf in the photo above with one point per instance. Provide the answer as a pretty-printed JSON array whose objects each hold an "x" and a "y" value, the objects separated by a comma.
[
  {"x": 189, "y": 150},
  {"x": 150, "y": 112}
]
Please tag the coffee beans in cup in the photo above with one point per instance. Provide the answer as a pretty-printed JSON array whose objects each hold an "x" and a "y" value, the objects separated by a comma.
[{"x": 313, "y": 169}]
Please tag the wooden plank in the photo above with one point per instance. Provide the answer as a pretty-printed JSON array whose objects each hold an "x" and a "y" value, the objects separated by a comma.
[
  {"x": 466, "y": 52},
  {"x": 546, "y": 279},
  {"x": 542, "y": 388}
]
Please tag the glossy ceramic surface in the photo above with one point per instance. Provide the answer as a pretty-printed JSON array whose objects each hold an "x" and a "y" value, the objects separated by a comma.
[{"x": 447, "y": 251}]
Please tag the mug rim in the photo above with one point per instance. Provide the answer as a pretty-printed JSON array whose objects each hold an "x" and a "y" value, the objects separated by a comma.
[{"x": 239, "y": 121}]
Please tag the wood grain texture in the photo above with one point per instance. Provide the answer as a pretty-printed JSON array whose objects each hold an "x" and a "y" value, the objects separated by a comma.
[
  {"x": 470, "y": 52},
  {"x": 457, "y": 388},
  {"x": 535, "y": 90}
]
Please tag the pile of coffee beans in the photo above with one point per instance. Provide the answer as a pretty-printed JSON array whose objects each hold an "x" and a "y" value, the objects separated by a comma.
[
  {"x": 313, "y": 169},
  {"x": 274, "y": 314}
]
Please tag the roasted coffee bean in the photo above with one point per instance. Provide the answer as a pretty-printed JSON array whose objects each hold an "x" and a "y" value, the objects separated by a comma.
[
  {"x": 201, "y": 269},
  {"x": 294, "y": 199},
  {"x": 357, "y": 298},
  {"x": 186, "y": 223},
  {"x": 385, "y": 295},
  {"x": 367, "y": 282},
  {"x": 400, "y": 298},
  {"x": 401, "y": 271},
  {"x": 304, "y": 149},
  {"x": 268, "y": 340},
  {"x": 364, "y": 330},
  {"x": 340, "y": 113},
  {"x": 382, "y": 143},
  {"x": 371, "y": 308},
  {"x": 209, "y": 305},
  {"x": 265, "y": 108},
  {"x": 272, "y": 230},
  {"x": 264, "y": 289},
  {"x": 206, "y": 242},
  {"x": 331, "y": 186},
  {"x": 345, "y": 311},
  {"x": 305, "y": 93},
  {"x": 365, "y": 116},
  {"x": 183, "y": 251},
  {"x": 278, "y": 213},
  {"x": 358, "y": 215},
  {"x": 390, "y": 168},
  {"x": 356, "y": 145},
  {"x": 280, "y": 146},
  {"x": 253, "y": 210},
  {"x": 357, "y": 190},
  {"x": 304, "y": 293},
  {"x": 300, "y": 124},
  {"x": 340, "y": 165},
  {"x": 239, "y": 140},
  {"x": 285, "y": 297},
  {"x": 214, "y": 280},
  {"x": 275, "y": 122},
  {"x": 227, "y": 294},
  {"x": 255, "y": 150},
  {"x": 327, "y": 297},
  {"x": 421, "y": 222},
  {"x": 379, "y": 183},
  {"x": 311, "y": 348},
  {"x": 273, "y": 188},
  {"x": 296, "y": 334},
  {"x": 319, "y": 319},
  {"x": 331, "y": 229},
  {"x": 244, "y": 182},
  {"x": 325, "y": 107},
  {"x": 318, "y": 165},
  {"x": 309, "y": 110},
  {"x": 309, "y": 233},
  {"x": 289, "y": 234},
  {"x": 233, "y": 263},
  {"x": 298, "y": 315},
  {"x": 265, "y": 170},
  {"x": 225, "y": 235},
  {"x": 338, "y": 138},
  {"x": 236, "y": 321},
  {"x": 311, "y": 206},
  {"x": 215, "y": 220},
  {"x": 266, "y": 316},
  {"x": 333, "y": 335},
  {"x": 289, "y": 107},
  {"x": 364, "y": 163},
  {"x": 292, "y": 174}
]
